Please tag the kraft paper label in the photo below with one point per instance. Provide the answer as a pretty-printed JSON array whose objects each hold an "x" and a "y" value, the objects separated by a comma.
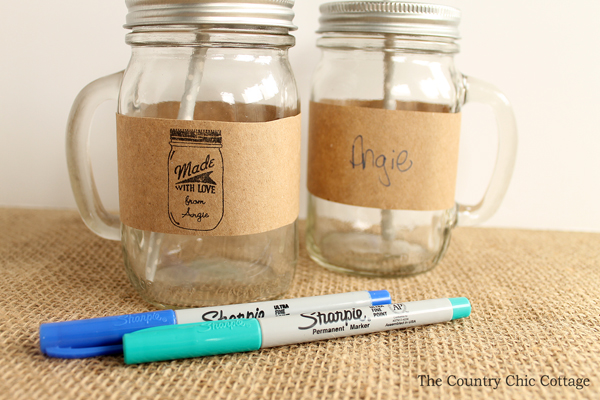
[
  {"x": 208, "y": 178},
  {"x": 388, "y": 159}
]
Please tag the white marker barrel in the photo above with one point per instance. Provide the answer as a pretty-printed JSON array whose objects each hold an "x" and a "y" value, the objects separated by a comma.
[
  {"x": 284, "y": 308},
  {"x": 320, "y": 325}
]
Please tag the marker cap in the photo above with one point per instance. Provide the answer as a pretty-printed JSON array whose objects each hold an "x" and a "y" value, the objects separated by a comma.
[
  {"x": 461, "y": 307},
  {"x": 97, "y": 336},
  {"x": 380, "y": 297},
  {"x": 192, "y": 340}
]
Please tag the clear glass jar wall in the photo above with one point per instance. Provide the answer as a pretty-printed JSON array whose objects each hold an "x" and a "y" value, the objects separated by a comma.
[
  {"x": 396, "y": 72},
  {"x": 242, "y": 76}
]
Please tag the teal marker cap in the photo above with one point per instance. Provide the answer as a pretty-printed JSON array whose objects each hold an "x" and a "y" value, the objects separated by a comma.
[
  {"x": 461, "y": 307},
  {"x": 192, "y": 340}
]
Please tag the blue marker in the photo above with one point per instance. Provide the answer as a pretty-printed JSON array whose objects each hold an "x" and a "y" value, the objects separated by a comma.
[
  {"x": 221, "y": 337},
  {"x": 104, "y": 336}
]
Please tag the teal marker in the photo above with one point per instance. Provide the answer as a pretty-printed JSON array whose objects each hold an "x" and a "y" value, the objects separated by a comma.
[{"x": 239, "y": 335}]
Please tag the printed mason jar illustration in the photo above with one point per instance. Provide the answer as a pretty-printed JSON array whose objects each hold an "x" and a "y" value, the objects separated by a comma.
[{"x": 196, "y": 179}]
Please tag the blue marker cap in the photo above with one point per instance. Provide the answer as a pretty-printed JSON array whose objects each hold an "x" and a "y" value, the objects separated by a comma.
[
  {"x": 380, "y": 297},
  {"x": 97, "y": 336}
]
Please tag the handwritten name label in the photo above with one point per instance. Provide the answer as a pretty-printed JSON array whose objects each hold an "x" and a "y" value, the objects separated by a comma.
[
  {"x": 386, "y": 159},
  {"x": 398, "y": 162}
]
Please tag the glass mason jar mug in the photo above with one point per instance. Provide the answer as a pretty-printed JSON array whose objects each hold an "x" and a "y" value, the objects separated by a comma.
[
  {"x": 384, "y": 135},
  {"x": 208, "y": 137}
]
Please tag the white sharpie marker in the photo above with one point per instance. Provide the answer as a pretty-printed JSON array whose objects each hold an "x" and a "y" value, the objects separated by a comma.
[
  {"x": 221, "y": 337},
  {"x": 104, "y": 336}
]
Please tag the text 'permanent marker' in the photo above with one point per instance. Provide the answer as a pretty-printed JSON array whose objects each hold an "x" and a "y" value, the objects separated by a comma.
[
  {"x": 221, "y": 337},
  {"x": 104, "y": 336}
]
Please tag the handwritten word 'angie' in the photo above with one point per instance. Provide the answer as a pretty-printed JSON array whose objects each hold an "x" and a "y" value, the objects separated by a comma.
[
  {"x": 198, "y": 216},
  {"x": 400, "y": 162}
]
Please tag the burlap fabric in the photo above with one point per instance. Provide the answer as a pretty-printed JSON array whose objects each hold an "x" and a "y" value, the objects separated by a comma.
[{"x": 535, "y": 313}]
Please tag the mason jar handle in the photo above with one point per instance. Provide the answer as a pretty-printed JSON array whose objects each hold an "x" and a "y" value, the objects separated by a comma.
[
  {"x": 90, "y": 207},
  {"x": 478, "y": 91}
]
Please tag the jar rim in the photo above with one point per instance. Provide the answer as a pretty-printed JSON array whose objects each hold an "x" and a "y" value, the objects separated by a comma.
[
  {"x": 377, "y": 41},
  {"x": 209, "y": 36}
]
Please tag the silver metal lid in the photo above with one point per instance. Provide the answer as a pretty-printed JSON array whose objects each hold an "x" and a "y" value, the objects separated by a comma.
[
  {"x": 390, "y": 17},
  {"x": 264, "y": 13}
]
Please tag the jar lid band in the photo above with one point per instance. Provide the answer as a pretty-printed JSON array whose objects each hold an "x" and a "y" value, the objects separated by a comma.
[
  {"x": 390, "y": 17},
  {"x": 266, "y": 13}
]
